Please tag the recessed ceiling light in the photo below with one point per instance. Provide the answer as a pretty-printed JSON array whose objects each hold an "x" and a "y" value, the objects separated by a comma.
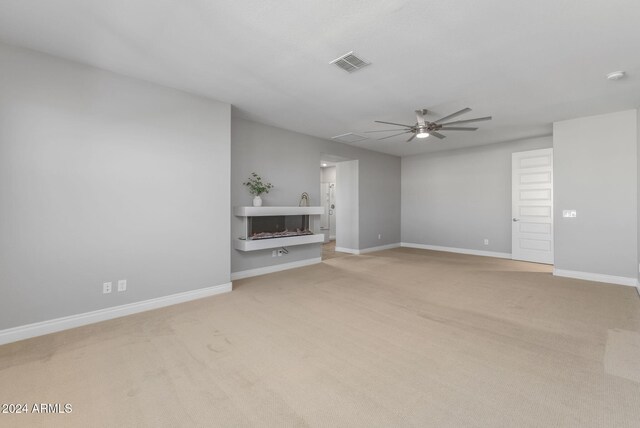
[
  {"x": 324, "y": 164},
  {"x": 616, "y": 75}
]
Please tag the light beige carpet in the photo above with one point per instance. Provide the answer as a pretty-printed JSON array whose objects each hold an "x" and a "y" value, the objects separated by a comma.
[{"x": 396, "y": 338}]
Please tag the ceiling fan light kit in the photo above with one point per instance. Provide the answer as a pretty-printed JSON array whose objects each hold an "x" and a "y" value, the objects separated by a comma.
[{"x": 423, "y": 128}]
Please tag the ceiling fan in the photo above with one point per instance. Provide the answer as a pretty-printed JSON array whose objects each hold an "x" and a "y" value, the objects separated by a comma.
[{"x": 424, "y": 128}]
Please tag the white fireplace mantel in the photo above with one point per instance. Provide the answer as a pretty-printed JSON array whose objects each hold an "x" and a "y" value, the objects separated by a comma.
[
  {"x": 267, "y": 211},
  {"x": 263, "y": 244}
]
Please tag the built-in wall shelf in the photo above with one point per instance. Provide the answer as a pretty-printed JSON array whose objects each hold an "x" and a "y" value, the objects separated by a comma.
[
  {"x": 265, "y": 244},
  {"x": 302, "y": 218},
  {"x": 267, "y": 211}
]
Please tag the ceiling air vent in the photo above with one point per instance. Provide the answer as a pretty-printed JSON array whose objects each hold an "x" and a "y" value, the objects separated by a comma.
[
  {"x": 349, "y": 137},
  {"x": 350, "y": 62}
]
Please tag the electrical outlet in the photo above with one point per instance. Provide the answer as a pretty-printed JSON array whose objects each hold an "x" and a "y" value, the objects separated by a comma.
[
  {"x": 106, "y": 287},
  {"x": 379, "y": 236},
  {"x": 280, "y": 253},
  {"x": 274, "y": 253},
  {"x": 122, "y": 285},
  {"x": 486, "y": 241}
]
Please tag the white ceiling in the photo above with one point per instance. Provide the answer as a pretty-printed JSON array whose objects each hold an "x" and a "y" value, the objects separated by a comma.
[{"x": 526, "y": 63}]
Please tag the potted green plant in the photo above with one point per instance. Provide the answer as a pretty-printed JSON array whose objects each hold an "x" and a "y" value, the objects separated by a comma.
[{"x": 257, "y": 187}]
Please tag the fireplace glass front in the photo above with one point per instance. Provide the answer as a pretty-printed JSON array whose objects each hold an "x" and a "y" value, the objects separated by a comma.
[{"x": 279, "y": 226}]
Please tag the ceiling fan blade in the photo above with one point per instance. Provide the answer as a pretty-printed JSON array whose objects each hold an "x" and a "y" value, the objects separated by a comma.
[
  {"x": 420, "y": 117},
  {"x": 457, "y": 128},
  {"x": 391, "y": 123},
  {"x": 394, "y": 135},
  {"x": 437, "y": 134},
  {"x": 478, "y": 119},
  {"x": 456, "y": 114},
  {"x": 381, "y": 130},
  {"x": 412, "y": 137}
]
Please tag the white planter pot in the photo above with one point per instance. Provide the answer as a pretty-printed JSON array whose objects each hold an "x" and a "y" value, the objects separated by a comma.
[{"x": 257, "y": 201}]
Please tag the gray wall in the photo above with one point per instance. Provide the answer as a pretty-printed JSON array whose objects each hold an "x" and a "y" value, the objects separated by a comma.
[
  {"x": 595, "y": 167},
  {"x": 102, "y": 178},
  {"x": 290, "y": 161},
  {"x": 459, "y": 197},
  {"x": 328, "y": 174},
  {"x": 347, "y": 196}
]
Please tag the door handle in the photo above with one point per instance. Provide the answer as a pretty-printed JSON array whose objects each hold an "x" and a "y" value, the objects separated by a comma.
[{"x": 515, "y": 219}]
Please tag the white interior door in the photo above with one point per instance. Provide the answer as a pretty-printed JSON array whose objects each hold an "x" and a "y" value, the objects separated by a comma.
[{"x": 532, "y": 206}]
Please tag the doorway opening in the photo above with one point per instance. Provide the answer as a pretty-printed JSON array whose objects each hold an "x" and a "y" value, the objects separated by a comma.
[{"x": 339, "y": 198}]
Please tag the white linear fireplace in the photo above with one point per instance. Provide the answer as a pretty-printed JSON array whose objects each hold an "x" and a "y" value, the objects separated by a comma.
[{"x": 274, "y": 227}]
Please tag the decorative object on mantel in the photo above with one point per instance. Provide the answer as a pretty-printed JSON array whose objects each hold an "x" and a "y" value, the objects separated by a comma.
[
  {"x": 304, "y": 200},
  {"x": 257, "y": 187}
]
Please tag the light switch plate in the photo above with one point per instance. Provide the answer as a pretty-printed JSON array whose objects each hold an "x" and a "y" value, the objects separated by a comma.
[{"x": 122, "y": 285}]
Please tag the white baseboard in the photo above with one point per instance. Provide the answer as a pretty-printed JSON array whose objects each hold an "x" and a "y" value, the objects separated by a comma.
[
  {"x": 367, "y": 250},
  {"x": 597, "y": 277},
  {"x": 276, "y": 268},
  {"x": 347, "y": 250},
  {"x": 457, "y": 250},
  {"x": 15, "y": 334},
  {"x": 379, "y": 248}
]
